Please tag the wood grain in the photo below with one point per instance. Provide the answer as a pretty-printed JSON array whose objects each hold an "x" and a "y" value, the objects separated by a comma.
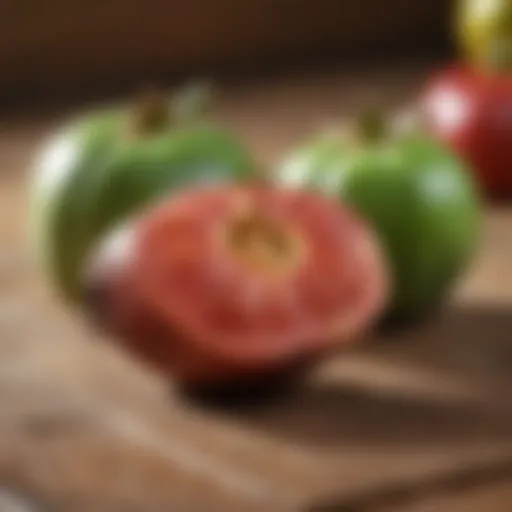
[{"x": 85, "y": 428}]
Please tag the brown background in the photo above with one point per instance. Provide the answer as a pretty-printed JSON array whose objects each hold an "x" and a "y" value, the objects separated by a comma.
[{"x": 56, "y": 47}]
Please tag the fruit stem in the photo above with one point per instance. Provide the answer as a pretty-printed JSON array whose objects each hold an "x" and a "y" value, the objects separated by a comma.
[
  {"x": 151, "y": 113},
  {"x": 500, "y": 57},
  {"x": 371, "y": 125}
]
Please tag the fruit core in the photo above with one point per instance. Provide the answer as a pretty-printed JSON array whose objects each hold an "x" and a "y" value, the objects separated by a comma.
[{"x": 263, "y": 244}]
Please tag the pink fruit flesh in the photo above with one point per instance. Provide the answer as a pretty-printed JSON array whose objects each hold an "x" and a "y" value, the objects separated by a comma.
[{"x": 235, "y": 280}]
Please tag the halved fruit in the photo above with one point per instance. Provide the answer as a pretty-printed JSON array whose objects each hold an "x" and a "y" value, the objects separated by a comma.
[{"x": 226, "y": 282}]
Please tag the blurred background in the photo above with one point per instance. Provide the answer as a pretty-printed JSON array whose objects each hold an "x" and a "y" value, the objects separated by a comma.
[
  {"x": 416, "y": 422},
  {"x": 57, "y": 48}
]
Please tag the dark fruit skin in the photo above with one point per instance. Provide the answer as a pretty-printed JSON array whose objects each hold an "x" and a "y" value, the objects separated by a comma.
[
  {"x": 471, "y": 111},
  {"x": 230, "y": 284},
  {"x": 111, "y": 163}
]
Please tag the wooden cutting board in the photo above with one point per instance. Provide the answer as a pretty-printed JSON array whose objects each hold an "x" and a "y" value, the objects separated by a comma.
[{"x": 418, "y": 421}]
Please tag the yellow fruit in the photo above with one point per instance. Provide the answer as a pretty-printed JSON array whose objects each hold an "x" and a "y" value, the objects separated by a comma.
[{"x": 484, "y": 29}]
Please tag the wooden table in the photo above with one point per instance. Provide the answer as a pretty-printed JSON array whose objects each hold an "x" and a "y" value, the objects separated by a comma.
[{"x": 417, "y": 421}]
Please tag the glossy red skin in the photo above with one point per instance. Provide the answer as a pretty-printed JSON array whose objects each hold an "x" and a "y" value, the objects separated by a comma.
[
  {"x": 178, "y": 299},
  {"x": 482, "y": 131}
]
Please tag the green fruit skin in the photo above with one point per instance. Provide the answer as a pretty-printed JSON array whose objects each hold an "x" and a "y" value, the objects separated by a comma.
[
  {"x": 420, "y": 199},
  {"x": 90, "y": 177}
]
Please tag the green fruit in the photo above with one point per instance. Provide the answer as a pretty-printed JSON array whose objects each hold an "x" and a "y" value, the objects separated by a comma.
[
  {"x": 418, "y": 196},
  {"x": 109, "y": 164}
]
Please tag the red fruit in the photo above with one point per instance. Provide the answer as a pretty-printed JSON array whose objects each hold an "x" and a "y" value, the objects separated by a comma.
[
  {"x": 472, "y": 112},
  {"x": 230, "y": 282}
]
